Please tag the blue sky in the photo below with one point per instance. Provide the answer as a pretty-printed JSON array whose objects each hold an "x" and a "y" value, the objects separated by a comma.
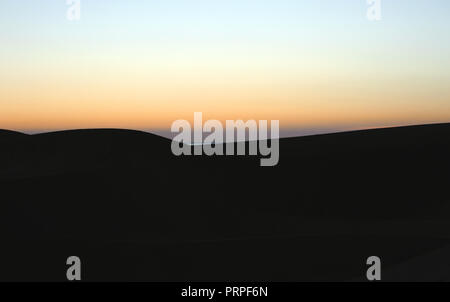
[{"x": 329, "y": 67}]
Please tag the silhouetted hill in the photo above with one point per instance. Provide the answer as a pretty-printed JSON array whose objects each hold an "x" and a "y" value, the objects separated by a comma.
[
  {"x": 131, "y": 210},
  {"x": 77, "y": 150}
]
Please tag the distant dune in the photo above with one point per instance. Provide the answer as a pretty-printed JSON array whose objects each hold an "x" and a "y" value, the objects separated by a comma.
[{"x": 131, "y": 210}]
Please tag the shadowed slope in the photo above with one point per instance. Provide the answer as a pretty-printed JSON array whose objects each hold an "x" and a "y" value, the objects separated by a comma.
[
  {"x": 77, "y": 150},
  {"x": 118, "y": 195}
]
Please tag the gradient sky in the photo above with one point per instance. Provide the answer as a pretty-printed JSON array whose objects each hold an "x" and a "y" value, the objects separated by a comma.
[{"x": 312, "y": 64}]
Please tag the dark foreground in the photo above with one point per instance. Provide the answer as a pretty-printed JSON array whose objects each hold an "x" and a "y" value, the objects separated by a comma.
[{"x": 132, "y": 211}]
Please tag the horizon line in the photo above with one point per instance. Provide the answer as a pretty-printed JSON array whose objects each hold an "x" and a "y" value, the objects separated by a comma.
[{"x": 167, "y": 133}]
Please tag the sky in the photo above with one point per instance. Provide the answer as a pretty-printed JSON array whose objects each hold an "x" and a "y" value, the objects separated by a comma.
[{"x": 314, "y": 65}]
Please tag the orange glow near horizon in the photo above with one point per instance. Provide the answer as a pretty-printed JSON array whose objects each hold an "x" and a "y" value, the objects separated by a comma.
[
  {"x": 117, "y": 70},
  {"x": 118, "y": 102}
]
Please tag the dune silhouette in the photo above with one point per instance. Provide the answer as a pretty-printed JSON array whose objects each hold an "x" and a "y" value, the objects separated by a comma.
[{"x": 131, "y": 210}]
